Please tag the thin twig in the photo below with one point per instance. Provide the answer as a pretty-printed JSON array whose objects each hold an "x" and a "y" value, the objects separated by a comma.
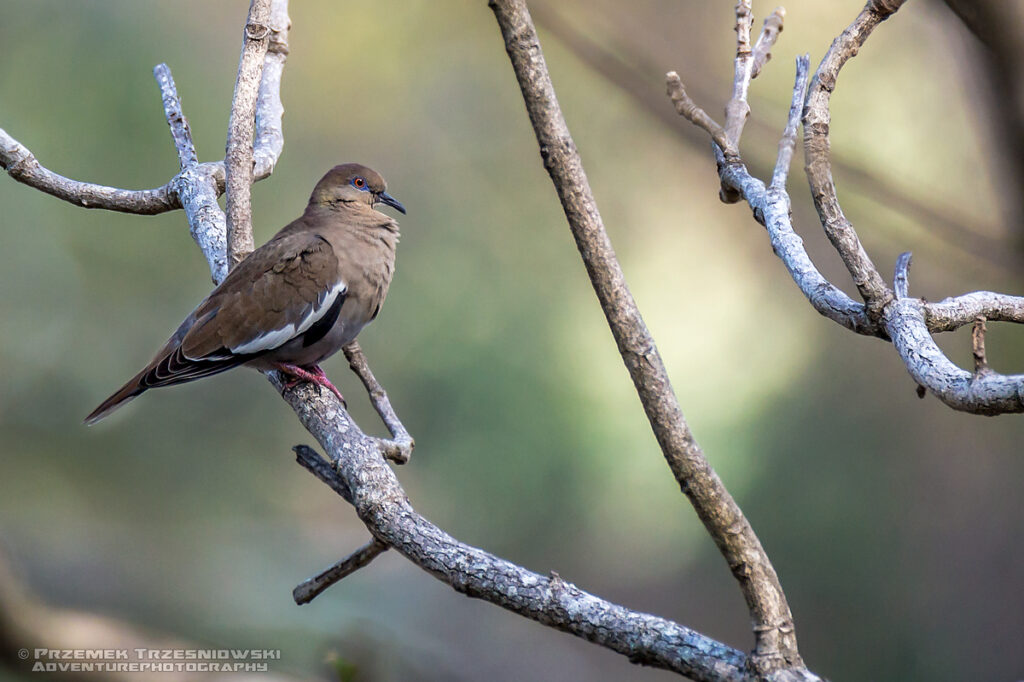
[
  {"x": 788, "y": 141},
  {"x": 952, "y": 313},
  {"x": 901, "y": 276},
  {"x": 308, "y": 590},
  {"x": 400, "y": 447},
  {"x": 769, "y": 34},
  {"x": 689, "y": 110},
  {"x": 978, "y": 345},
  {"x": 238, "y": 158}
]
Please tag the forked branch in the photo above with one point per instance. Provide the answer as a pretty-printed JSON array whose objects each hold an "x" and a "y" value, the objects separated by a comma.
[{"x": 888, "y": 313}]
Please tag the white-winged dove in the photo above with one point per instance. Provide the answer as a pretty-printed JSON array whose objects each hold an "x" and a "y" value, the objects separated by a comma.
[{"x": 295, "y": 300}]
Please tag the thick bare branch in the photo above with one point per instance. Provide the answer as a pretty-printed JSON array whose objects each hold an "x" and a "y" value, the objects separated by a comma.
[
  {"x": 817, "y": 117},
  {"x": 238, "y": 158},
  {"x": 775, "y": 639},
  {"x": 308, "y": 590}
]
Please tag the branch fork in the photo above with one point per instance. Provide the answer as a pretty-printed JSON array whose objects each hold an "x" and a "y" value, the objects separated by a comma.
[{"x": 884, "y": 312}]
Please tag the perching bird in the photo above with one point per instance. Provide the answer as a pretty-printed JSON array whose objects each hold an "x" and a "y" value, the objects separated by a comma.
[{"x": 295, "y": 300}]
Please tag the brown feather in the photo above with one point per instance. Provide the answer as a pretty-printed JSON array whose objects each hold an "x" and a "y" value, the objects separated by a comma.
[{"x": 254, "y": 316}]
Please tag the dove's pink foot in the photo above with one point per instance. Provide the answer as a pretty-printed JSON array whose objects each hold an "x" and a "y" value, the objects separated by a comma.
[{"x": 313, "y": 374}]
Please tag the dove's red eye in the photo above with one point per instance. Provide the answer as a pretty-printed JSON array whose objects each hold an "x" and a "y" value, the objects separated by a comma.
[{"x": 359, "y": 182}]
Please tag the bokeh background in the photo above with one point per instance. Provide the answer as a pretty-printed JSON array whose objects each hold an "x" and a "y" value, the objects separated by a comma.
[{"x": 895, "y": 523}]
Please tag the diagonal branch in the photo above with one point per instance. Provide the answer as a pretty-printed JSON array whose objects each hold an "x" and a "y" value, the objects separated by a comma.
[
  {"x": 400, "y": 447},
  {"x": 776, "y": 646},
  {"x": 788, "y": 142},
  {"x": 769, "y": 34},
  {"x": 308, "y": 590},
  {"x": 382, "y": 505}
]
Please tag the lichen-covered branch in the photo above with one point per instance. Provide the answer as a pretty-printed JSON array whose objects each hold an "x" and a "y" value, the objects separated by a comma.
[
  {"x": 382, "y": 505},
  {"x": 23, "y": 166},
  {"x": 952, "y": 313},
  {"x": 887, "y": 313},
  {"x": 269, "y": 134},
  {"x": 775, "y": 639},
  {"x": 196, "y": 189}
]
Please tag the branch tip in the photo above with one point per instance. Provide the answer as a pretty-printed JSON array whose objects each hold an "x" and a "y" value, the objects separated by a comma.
[
  {"x": 769, "y": 34},
  {"x": 688, "y": 109},
  {"x": 901, "y": 276},
  {"x": 308, "y": 590}
]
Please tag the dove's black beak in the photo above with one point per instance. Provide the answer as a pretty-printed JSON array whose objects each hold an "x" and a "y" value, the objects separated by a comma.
[{"x": 385, "y": 198}]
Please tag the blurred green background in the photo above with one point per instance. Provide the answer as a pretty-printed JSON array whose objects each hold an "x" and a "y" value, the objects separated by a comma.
[{"x": 895, "y": 523}]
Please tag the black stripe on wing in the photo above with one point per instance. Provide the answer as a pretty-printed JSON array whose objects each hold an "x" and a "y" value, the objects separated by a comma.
[
  {"x": 319, "y": 329},
  {"x": 177, "y": 369}
]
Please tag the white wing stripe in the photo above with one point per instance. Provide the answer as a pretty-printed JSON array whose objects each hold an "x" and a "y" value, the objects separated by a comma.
[{"x": 278, "y": 337}]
